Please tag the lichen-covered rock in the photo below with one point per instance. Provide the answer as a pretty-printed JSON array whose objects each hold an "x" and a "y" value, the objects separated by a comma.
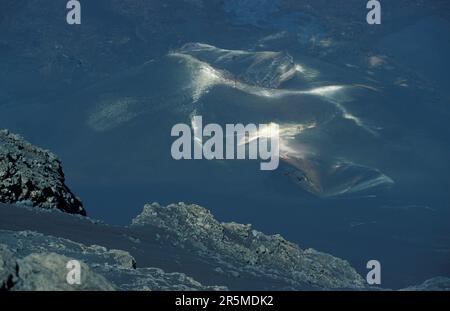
[
  {"x": 247, "y": 249},
  {"x": 31, "y": 175}
]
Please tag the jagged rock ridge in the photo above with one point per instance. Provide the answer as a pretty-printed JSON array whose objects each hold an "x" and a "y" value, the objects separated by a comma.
[{"x": 248, "y": 250}]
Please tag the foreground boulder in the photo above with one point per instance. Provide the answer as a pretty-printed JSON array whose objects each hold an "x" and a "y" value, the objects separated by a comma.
[
  {"x": 44, "y": 272},
  {"x": 48, "y": 272},
  {"x": 33, "y": 176}
]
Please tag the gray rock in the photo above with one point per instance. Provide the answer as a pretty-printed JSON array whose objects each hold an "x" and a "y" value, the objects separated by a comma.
[
  {"x": 25, "y": 243},
  {"x": 434, "y": 284},
  {"x": 155, "y": 279},
  {"x": 31, "y": 175},
  {"x": 265, "y": 69},
  {"x": 44, "y": 272},
  {"x": 245, "y": 250},
  {"x": 123, "y": 258},
  {"x": 43, "y": 266},
  {"x": 48, "y": 272},
  {"x": 8, "y": 268}
]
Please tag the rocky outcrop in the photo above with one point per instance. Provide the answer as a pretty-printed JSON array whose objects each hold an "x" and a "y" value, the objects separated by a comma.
[
  {"x": 178, "y": 247},
  {"x": 33, "y": 176},
  {"x": 34, "y": 261},
  {"x": 241, "y": 249}
]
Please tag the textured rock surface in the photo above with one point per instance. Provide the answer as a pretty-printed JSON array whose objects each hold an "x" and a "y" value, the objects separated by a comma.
[
  {"x": 31, "y": 175},
  {"x": 246, "y": 249},
  {"x": 434, "y": 284},
  {"x": 174, "y": 250},
  {"x": 155, "y": 279},
  {"x": 8, "y": 268},
  {"x": 43, "y": 266},
  {"x": 48, "y": 272},
  {"x": 44, "y": 272}
]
